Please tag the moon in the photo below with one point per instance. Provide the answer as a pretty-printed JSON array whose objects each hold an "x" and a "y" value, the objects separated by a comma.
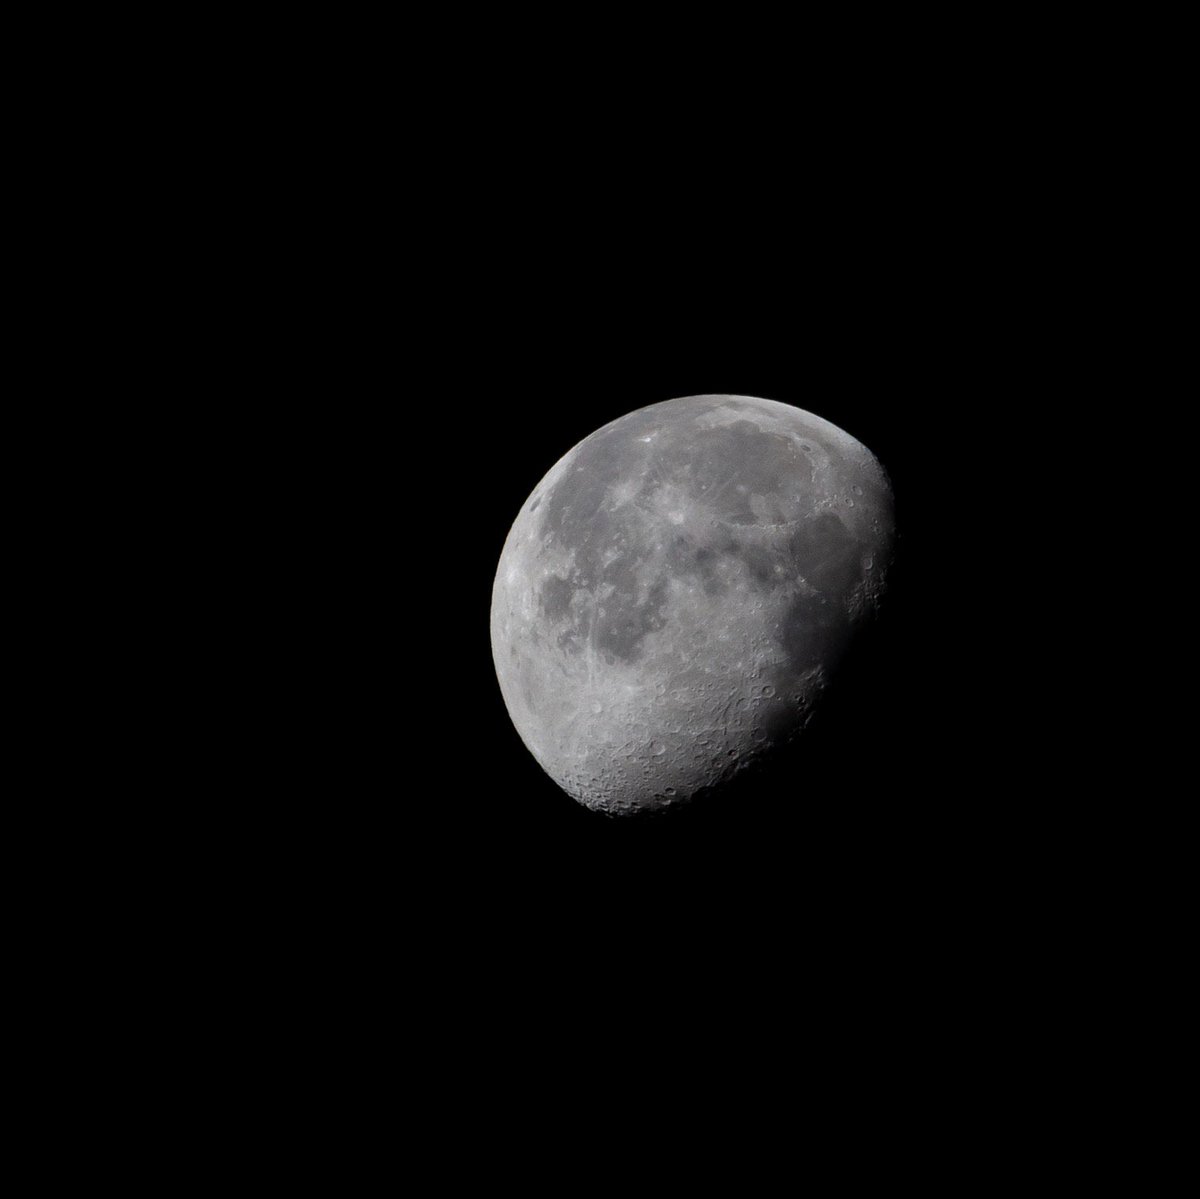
[{"x": 674, "y": 596}]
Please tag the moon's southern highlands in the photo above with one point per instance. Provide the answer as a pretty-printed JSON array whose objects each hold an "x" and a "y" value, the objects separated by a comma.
[{"x": 675, "y": 594}]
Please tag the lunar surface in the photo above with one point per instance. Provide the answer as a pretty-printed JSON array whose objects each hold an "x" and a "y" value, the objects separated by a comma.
[{"x": 675, "y": 594}]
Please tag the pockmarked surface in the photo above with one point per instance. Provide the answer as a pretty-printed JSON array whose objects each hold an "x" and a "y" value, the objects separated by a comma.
[{"x": 676, "y": 593}]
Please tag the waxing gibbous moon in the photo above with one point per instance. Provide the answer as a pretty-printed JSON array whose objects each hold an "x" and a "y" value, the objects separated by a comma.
[{"x": 675, "y": 594}]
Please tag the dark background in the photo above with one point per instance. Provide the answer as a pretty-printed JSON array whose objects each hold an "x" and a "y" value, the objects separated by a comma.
[
  {"x": 422, "y": 307},
  {"x": 430, "y": 300}
]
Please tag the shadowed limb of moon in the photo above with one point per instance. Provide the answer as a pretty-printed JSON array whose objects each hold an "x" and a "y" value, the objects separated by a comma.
[{"x": 676, "y": 593}]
